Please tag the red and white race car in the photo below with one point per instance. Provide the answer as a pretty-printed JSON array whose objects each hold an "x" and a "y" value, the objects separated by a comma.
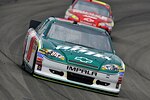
[{"x": 91, "y": 12}]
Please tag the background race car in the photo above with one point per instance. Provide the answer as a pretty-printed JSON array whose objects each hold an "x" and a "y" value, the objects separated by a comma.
[
  {"x": 91, "y": 12},
  {"x": 76, "y": 54}
]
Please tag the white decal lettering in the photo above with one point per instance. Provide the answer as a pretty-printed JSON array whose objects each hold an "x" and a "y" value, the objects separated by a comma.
[
  {"x": 66, "y": 47},
  {"x": 76, "y": 48},
  {"x": 59, "y": 46},
  {"x": 98, "y": 55},
  {"x": 90, "y": 53},
  {"x": 84, "y": 50},
  {"x": 90, "y": 14}
]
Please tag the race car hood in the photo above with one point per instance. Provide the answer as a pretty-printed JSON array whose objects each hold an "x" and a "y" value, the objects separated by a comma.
[
  {"x": 89, "y": 18},
  {"x": 80, "y": 56}
]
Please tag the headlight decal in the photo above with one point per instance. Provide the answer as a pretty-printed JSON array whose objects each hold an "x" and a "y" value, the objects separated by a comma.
[
  {"x": 111, "y": 67},
  {"x": 121, "y": 74},
  {"x": 106, "y": 24},
  {"x": 40, "y": 55},
  {"x": 72, "y": 15},
  {"x": 51, "y": 53},
  {"x": 55, "y": 54},
  {"x": 75, "y": 17},
  {"x": 39, "y": 61},
  {"x": 43, "y": 51}
]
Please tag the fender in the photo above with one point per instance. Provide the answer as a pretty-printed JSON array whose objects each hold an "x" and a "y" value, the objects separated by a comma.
[{"x": 31, "y": 47}]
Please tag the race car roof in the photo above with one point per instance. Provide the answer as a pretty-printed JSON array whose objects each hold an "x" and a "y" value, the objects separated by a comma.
[
  {"x": 98, "y": 2},
  {"x": 84, "y": 25}
]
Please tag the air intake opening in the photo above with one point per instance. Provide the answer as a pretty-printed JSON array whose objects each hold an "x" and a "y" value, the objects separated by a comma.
[
  {"x": 80, "y": 78},
  {"x": 98, "y": 82},
  {"x": 56, "y": 72}
]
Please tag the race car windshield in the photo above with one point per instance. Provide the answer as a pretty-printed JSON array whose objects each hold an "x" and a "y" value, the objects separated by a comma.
[
  {"x": 77, "y": 34},
  {"x": 91, "y": 7}
]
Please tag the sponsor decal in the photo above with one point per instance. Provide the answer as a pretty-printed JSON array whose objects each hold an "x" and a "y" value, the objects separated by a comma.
[
  {"x": 90, "y": 14},
  {"x": 88, "y": 20},
  {"x": 104, "y": 18},
  {"x": 80, "y": 49},
  {"x": 82, "y": 71},
  {"x": 39, "y": 63},
  {"x": 55, "y": 54},
  {"x": 83, "y": 59},
  {"x": 87, "y": 23},
  {"x": 52, "y": 53},
  {"x": 39, "y": 68},
  {"x": 121, "y": 74},
  {"x": 40, "y": 55},
  {"x": 110, "y": 67},
  {"x": 34, "y": 46}
]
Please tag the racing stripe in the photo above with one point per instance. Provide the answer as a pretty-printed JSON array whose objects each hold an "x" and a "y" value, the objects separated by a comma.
[{"x": 33, "y": 39}]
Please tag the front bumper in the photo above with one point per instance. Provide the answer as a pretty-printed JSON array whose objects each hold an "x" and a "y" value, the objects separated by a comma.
[{"x": 49, "y": 67}]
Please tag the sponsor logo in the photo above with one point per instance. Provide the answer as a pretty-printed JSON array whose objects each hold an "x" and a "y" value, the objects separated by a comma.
[
  {"x": 91, "y": 14},
  {"x": 87, "y": 23},
  {"x": 88, "y": 20},
  {"x": 80, "y": 70},
  {"x": 83, "y": 59},
  {"x": 39, "y": 68},
  {"x": 80, "y": 49},
  {"x": 40, "y": 55},
  {"x": 121, "y": 73}
]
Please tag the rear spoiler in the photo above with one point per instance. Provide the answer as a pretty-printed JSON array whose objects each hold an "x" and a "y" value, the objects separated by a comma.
[{"x": 34, "y": 24}]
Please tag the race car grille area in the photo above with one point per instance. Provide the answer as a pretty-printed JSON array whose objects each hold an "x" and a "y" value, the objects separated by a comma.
[
  {"x": 88, "y": 23},
  {"x": 83, "y": 63},
  {"x": 60, "y": 73},
  {"x": 80, "y": 78},
  {"x": 98, "y": 82}
]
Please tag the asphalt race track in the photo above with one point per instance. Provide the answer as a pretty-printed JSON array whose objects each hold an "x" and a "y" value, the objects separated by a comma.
[{"x": 131, "y": 39}]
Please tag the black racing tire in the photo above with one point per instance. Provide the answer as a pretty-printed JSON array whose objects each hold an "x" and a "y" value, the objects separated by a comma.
[
  {"x": 26, "y": 67},
  {"x": 22, "y": 63},
  {"x": 34, "y": 62}
]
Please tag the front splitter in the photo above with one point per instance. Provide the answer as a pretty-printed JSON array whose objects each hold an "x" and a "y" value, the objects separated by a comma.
[{"x": 76, "y": 86}]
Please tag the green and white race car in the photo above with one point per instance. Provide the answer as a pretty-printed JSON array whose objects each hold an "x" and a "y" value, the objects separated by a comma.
[{"x": 74, "y": 54}]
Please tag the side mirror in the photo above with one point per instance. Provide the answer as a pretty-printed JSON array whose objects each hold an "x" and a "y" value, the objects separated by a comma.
[{"x": 34, "y": 24}]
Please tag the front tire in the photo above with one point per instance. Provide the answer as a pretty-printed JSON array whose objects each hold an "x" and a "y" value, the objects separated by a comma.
[
  {"x": 34, "y": 62},
  {"x": 26, "y": 66}
]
